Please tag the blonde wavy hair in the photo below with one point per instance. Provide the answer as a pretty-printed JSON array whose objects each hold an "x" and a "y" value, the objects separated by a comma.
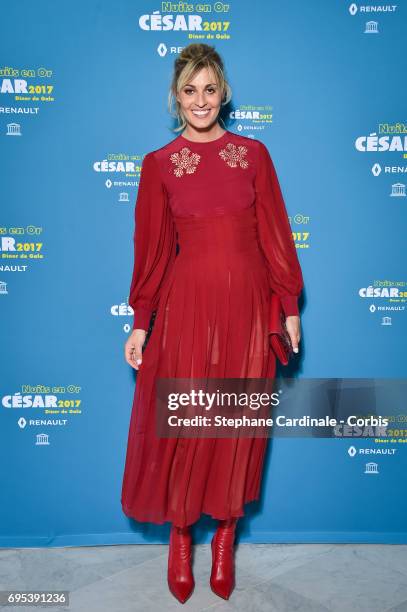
[{"x": 190, "y": 61}]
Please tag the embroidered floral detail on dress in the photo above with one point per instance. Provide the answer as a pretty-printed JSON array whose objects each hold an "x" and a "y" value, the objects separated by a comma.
[
  {"x": 185, "y": 161},
  {"x": 234, "y": 155}
]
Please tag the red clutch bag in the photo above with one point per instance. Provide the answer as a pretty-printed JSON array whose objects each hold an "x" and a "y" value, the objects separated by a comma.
[{"x": 280, "y": 340}]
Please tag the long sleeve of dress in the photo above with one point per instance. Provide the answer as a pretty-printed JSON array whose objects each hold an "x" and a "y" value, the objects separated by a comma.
[
  {"x": 154, "y": 243},
  {"x": 275, "y": 235}
]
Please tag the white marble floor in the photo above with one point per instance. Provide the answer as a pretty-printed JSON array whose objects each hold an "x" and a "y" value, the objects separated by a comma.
[{"x": 269, "y": 577}]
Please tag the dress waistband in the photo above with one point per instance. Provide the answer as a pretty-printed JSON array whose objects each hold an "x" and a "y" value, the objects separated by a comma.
[{"x": 235, "y": 232}]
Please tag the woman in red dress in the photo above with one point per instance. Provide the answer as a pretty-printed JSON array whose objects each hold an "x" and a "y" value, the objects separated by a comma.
[{"x": 216, "y": 194}]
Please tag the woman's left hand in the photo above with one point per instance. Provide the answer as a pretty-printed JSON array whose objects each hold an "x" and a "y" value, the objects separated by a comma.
[{"x": 294, "y": 330}]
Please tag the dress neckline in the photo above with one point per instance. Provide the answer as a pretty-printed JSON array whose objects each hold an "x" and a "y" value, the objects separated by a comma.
[{"x": 207, "y": 142}]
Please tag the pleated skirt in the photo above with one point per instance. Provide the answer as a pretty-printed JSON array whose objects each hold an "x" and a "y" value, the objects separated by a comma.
[{"x": 211, "y": 322}]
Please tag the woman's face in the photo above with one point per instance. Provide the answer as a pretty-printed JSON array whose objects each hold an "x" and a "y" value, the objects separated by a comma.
[{"x": 200, "y": 100}]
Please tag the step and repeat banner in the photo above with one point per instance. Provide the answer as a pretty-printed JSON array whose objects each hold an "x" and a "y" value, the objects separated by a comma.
[{"x": 84, "y": 90}]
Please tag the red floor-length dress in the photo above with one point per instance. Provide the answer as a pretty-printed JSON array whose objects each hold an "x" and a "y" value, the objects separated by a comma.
[{"x": 221, "y": 201}]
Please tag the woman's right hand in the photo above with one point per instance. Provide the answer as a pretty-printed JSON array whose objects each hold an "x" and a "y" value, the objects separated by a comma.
[{"x": 133, "y": 348}]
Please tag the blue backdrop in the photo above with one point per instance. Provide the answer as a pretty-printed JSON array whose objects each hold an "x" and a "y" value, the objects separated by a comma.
[{"x": 84, "y": 92}]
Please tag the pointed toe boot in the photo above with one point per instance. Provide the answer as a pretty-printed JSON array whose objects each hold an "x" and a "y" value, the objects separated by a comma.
[
  {"x": 180, "y": 578},
  {"x": 222, "y": 579}
]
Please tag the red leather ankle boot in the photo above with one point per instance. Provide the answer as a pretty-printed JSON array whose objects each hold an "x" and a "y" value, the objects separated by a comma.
[
  {"x": 180, "y": 577},
  {"x": 223, "y": 568}
]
